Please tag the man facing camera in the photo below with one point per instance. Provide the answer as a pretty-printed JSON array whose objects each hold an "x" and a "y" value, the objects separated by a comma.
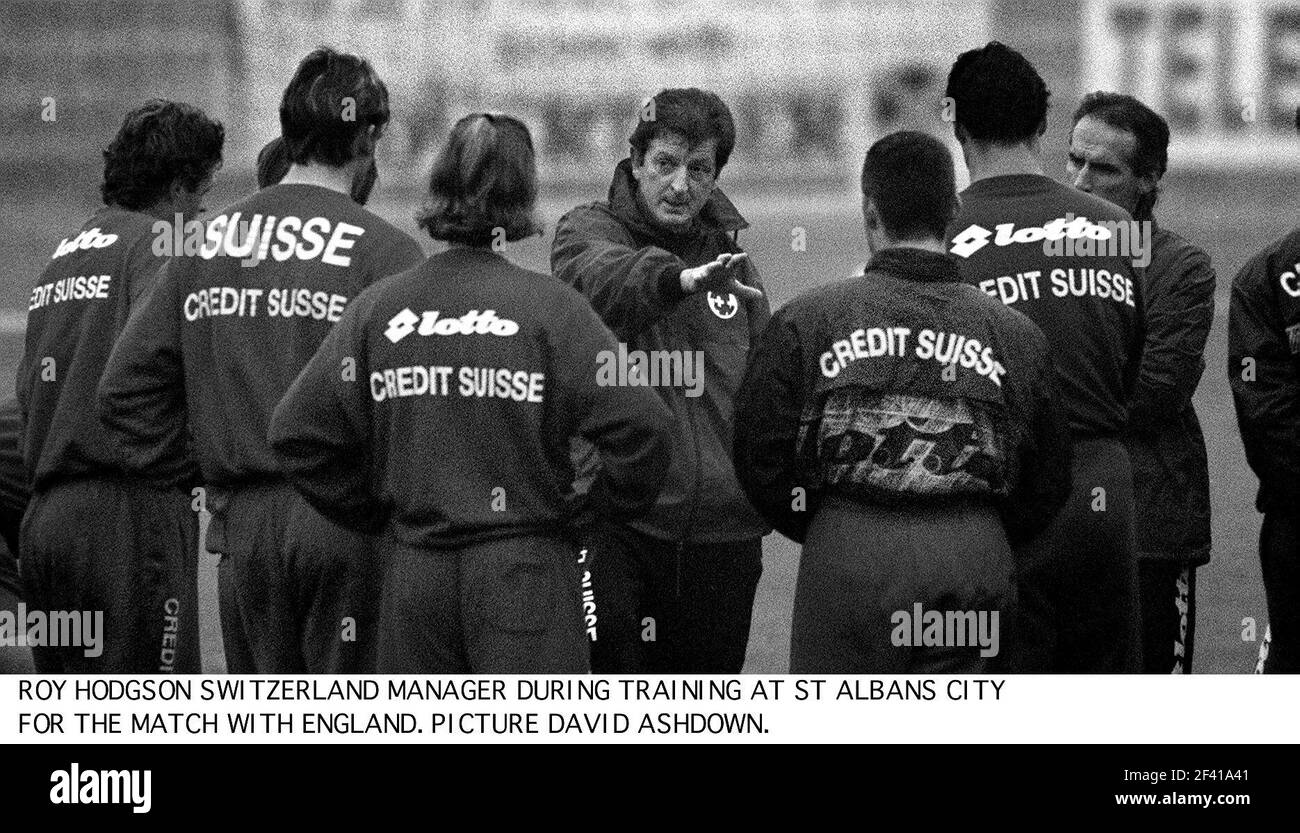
[
  {"x": 1118, "y": 150},
  {"x": 659, "y": 262}
]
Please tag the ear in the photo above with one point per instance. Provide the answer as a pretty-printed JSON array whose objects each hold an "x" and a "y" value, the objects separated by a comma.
[
  {"x": 870, "y": 214},
  {"x": 1147, "y": 184}
]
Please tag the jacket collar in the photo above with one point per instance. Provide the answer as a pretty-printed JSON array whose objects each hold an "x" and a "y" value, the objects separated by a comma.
[
  {"x": 916, "y": 264},
  {"x": 718, "y": 213}
]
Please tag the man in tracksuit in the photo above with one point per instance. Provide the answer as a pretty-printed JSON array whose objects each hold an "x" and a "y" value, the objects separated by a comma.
[
  {"x": 219, "y": 341},
  {"x": 1053, "y": 253},
  {"x": 906, "y": 429},
  {"x": 1118, "y": 151},
  {"x": 1264, "y": 372},
  {"x": 454, "y": 437},
  {"x": 659, "y": 262},
  {"x": 102, "y": 533}
]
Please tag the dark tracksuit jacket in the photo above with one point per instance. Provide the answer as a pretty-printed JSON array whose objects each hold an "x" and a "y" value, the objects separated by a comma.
[
  {"x": 472, "y": 376},
  {"x": 97, "y": 536},
  {"x": 1264, "y": 372},
  {"x": 692, "y": 563},
  {"x": 921, "y": 399},
  {"x": 1171, "y": 478},
  {"x": 1164, "y": 437},
  {"x": 209, "y": 355},
  {"x": 1078, "y": 583},
  {"x": 630, "y": 272}
]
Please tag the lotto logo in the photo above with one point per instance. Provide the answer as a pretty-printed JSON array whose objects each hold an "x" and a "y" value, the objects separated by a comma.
[
  {"x": 88, "y": 239},
  {"x": 970, "y": 241},
  {"x": 471, "y": 323},
  {"x": 976, "y": 237}
]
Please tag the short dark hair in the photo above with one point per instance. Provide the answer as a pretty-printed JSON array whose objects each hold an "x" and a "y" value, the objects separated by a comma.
[
  {"x": 159, "y": 143},
  {"x": 909, "y": 175},
  {"x": 998, "y": 95},
  {"x": 329, "y": 107},
  {"x": 485, "y": 178},
  {"x": 1149, "y": 129},
  {"x": 694, "y": 114}
]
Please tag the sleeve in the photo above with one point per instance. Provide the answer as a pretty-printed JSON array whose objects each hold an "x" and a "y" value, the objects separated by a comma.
[
  {"x": 1264, "y": 373},
  {"x": 629, "y": 287},
  {"x": 767, "y": 415},
  {"x": 760, "y": 309},
  {"x": 1045, "y": 479},
  {"x": 143, "y": 265},
  {"x": 628, "y": 425},
  {"x": 141, "y": 396},
  {"x": 1179, "y": 312},
  {"x": 320, "y": 431}
]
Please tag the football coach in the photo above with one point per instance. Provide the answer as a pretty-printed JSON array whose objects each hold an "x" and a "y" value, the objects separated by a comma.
[{"x": 660, "y": 263}]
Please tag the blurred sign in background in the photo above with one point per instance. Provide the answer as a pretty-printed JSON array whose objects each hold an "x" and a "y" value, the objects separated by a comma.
[
  {"x": 1224, "y": 73},
  {"x": 811, "y": 84}
]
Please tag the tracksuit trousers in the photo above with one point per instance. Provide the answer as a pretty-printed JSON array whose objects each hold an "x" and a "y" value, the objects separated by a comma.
[
  {"x": 1077, "y": 581},
  {"x": 1279, "y": 556},
  {"x": 1167, "y": 590},
  {"x": 663, "y": 607},
  {"x": 873, "y": 579},
  {"x": 505, "y": 606},
  {"x": 298, "y": 593},
  {"x": 122, "y": 548}
]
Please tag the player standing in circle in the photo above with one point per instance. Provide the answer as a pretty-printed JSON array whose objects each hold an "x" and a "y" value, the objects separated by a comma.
[
  {"x": 660, "y": 263},
  {"x": 104, "y": 533},
  {"x": 919, "y": 418},
  {"x": 1050, "y": 251},
  {"x": 1264, "y": 371},
  {"x": 472, "y": 377},
  {"x": 1118, "y": 151},
  {"x": 226, "y": 332}
]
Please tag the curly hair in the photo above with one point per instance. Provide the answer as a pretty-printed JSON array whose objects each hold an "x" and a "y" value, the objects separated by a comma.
[
  {"x": 998, "y": 95},
  {"x": 485, "y": 178},
  {"x": 160, "y": 143},
  {"x": 329, "y": 106}
]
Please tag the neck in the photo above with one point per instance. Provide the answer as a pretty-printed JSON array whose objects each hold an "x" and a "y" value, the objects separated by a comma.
[
  {"x": 986, "y": 159},
  {"x": 335, "y": 179},
  {"x": 929, "y": 244}
]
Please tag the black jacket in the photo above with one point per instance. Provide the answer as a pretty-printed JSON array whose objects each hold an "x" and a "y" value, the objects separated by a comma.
[
  {"x": 1088, "y": 305},
  {"x": 1264, "y": 369},
  {"x": 629, "y": 271},
  {"x": 226, "y": 329},
  {"x": 903, "y": 385},
  {"x": 1170, "y": 473}
]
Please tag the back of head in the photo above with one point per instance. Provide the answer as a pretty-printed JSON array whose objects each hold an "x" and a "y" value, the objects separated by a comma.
[
  {"x": 483, "y": 186},
  {"x": 330, "y": 107},
  {"x": 998, "y": 96},
  {"x": 160, "y": 143},
  {"x": 909, "y": 177},
  {"x": 694, "y": 114}
]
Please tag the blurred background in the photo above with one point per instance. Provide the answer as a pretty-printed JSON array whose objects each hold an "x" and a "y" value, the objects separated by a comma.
[{"x": 811, "y": 84}]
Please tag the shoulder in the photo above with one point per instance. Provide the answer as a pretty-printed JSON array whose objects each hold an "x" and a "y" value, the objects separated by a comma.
[
  {"x": 591, "y": 216},
  {"x": 1283, "y": 253}
]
